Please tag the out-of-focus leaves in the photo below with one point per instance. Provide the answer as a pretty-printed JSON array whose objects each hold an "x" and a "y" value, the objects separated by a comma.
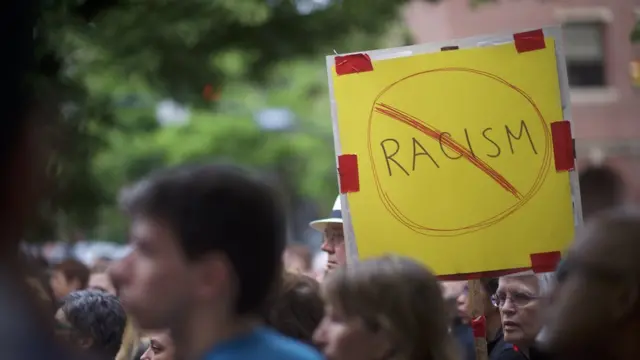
[
  {"x": 113, "y": 60},
  {"x": 635, "y": 34}
]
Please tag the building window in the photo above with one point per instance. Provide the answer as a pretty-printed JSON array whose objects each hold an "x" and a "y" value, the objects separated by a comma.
[{"x": 584, "y": 52}]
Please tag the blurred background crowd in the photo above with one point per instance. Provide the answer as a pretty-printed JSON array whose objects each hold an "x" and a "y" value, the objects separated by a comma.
[{"x": 124, "y": 88}]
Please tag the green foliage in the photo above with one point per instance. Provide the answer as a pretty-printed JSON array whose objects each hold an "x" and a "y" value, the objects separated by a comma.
[
  {"x": 117, "y": 59},
  {"x": 635, "y": 34},
  {"x": 179, "y": 46}
]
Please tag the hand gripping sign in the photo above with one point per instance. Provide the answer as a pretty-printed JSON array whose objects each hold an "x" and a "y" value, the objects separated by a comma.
[{"x": 461, "y": 159}]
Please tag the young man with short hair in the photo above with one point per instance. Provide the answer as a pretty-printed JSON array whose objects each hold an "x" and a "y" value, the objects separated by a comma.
[{"x": 207, "y": 249}]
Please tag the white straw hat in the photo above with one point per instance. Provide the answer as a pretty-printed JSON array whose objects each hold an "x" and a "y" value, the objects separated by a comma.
[{"x": 335, "y": 217}]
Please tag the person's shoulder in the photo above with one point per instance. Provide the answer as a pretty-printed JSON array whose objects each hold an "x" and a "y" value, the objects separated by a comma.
[
  {"x": 505, "y": 351},
  {"x": 264, "y": 344},
  {"x": 278, "y": 346}
]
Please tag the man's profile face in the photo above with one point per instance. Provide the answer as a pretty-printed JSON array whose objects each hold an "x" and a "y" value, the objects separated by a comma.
[
  {"x": 522, "y": 308},
  {"x": 333, "y": 244},
  {"x": 458, "y": 292},
  {"x": 153, "y": 281}
]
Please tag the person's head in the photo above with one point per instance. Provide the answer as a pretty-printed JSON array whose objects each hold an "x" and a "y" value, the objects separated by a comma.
[
  {"x": 296, "y": 308},
  {"x": 102, "y": 282},
  {"x": 333, "y": 240},
  {"x": 489, "y": 288},
  {"x": 38, "y": 282},
  {"x": 207, "y": 244},
  {"x": 596, "y": 301},
  {"x": 387, "y": 307},
  {"x": 67, "y": 276},
  {"x": 101, "y": 264},
  {"x": 319, "y": 265},
  {"x": 601, "y": 188},
  {"x": 92, "y": 321},
  {"x": 457, "y": 292},
  {"x": 521, "y": 299},
  {"x": 297, "y": 258},
  {"x": 160, "y": 346},
  {"x": 43, "y": 293}
]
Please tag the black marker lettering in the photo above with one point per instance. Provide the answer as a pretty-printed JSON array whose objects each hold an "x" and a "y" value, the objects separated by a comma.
[
  {"x": 388, "y": 157},
  {"x": 486, "y": 136},
  {"x": 423, "y": 152},
  {"x": 523, "y": 127},
  {"x": 442, "y": 135},
  {"x": 466, "y": 135}
]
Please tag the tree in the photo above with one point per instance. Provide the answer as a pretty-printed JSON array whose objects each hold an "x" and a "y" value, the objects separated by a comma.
[
  {"x": 178, "y": 47},
  {"x": 635, "y": 34},
  {"x": 100, "y": 53}
]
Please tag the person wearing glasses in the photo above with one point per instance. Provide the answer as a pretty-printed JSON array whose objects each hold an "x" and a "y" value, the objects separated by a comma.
[
  {"x": 333, "y": 240},
  {"x": 520, "y": 299},
  {"x": 497, "y": 348}
]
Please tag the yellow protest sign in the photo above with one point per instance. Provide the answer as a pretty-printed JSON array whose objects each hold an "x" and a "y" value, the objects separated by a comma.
[{"x": 455, "y": 157}]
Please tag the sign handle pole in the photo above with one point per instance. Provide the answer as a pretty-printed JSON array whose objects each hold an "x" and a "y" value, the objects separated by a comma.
[{"x": 476, "y": 307}]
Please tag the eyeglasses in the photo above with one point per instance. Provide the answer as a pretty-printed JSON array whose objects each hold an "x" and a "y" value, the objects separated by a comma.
[{"x": 517, "y": 299}]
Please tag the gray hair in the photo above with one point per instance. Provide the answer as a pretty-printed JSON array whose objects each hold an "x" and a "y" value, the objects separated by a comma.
[{"x": 546, "y": 281}]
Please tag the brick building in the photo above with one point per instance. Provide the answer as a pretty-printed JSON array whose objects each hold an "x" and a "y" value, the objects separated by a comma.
[{"x": 600, "y": 61}]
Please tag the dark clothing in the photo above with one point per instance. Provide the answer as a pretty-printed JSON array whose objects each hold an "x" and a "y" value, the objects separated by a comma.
[
  {"x": 500, "y": 350},
  {"x": 22, "y": 337},
  {"x": 535, "y": 354},
  {"x": 464, "y": 335}
]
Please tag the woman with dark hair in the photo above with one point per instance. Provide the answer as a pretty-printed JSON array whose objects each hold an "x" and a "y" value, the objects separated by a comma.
[{"x": 296, "y": 308}]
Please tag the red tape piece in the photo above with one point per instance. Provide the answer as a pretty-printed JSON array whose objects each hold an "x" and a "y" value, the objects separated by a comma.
[
  {"x": 354, "y": 63},
  {"x": 479, "y": 326},
  {"x": 563, "y": 146},
  {"x": 545, "y": 262},
  {"x": 348, "y": 173},
  {"x": 529, "y": 41},
  {"x": 481, "y": 275}
]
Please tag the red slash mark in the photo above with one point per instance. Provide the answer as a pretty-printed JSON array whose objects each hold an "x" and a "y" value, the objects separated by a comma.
[{"x": 447, "y": 141}]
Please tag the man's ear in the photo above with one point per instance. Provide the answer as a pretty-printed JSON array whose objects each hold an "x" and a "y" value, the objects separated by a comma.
[{"x": 212, "y": 275}]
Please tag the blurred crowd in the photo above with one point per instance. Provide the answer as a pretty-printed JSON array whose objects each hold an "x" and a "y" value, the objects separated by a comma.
[{"x": 208, "y": 275}]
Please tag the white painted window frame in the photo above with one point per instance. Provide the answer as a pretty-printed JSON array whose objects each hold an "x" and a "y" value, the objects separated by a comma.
[{"x": 590, "y": 96}]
